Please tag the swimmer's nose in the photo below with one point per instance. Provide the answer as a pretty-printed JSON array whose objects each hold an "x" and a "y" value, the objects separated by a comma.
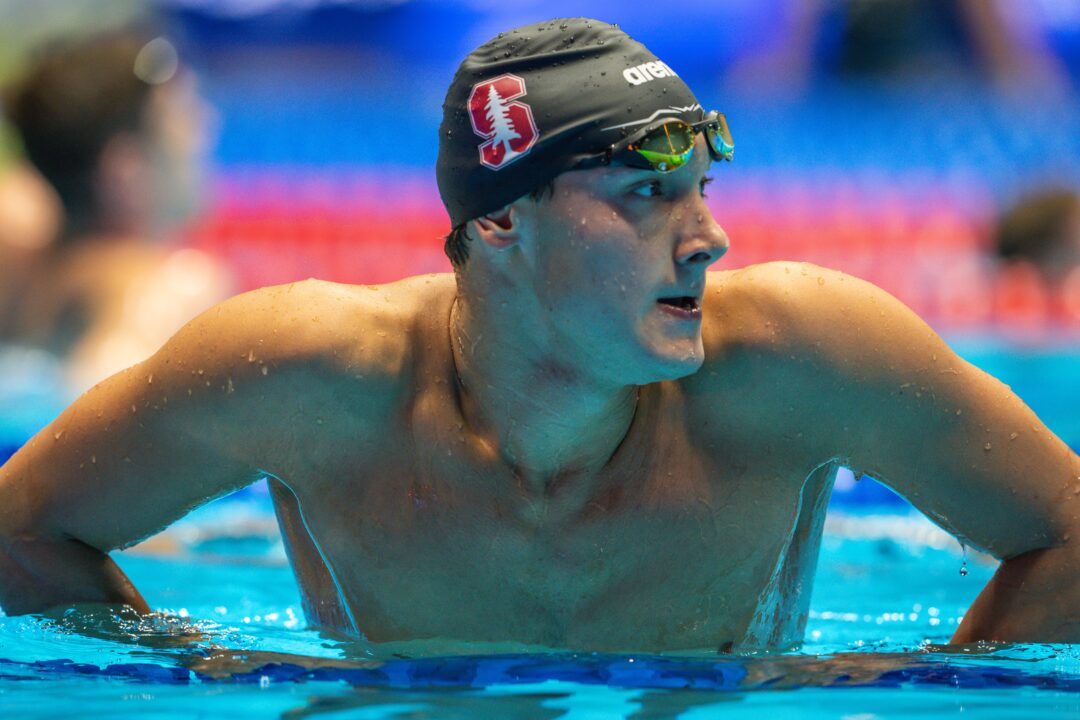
[{"x": 704, "y": 241}]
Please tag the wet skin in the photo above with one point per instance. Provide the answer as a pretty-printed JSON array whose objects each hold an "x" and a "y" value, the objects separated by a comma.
[{"x": 563, "y": 465}]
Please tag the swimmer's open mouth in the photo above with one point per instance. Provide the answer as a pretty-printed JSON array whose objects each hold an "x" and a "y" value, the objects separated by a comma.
[{"x": 685, "y": 306}]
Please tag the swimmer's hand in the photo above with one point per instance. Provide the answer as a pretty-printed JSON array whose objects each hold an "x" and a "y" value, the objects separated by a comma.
[
  {"x": 223, "y": 663},
  {"x": 839, "y": 670},
  {"x": 125, "y": 624}
]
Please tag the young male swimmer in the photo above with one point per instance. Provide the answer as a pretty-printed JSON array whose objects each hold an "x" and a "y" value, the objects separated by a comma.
[{"x": 581, "y": 438}]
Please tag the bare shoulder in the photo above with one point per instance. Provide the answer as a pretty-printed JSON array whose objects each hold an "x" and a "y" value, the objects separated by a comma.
[
  {"x": 785, "y": 341},
  {"x": 367, "y": 330},
  {"x": 785, "y": 308},
  {"x": 284, "y": 375}
]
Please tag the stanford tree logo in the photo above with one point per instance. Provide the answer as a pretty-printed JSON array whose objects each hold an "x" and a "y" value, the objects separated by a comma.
[{"x": 508, "y": 127}]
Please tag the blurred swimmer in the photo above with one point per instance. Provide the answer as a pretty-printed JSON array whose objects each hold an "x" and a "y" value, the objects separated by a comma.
[
  {"x": 580, "y": 439},
  {"x": 30, "y": 217},
  {"x": 116, "y": 124},
  {"x": 1042, "y": 230}
]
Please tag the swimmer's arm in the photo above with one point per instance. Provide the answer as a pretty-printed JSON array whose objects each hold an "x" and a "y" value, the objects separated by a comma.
[
  {"x": 206, "y": 415},
  {"x": 113, "y": 468},
  {"x": 883, "y": 393}
]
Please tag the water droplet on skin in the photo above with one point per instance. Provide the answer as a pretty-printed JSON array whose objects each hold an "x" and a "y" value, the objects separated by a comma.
[
  {"x": 986, "y": 447},
  {"x": 264, "y": 370},
  {"x": 150, "y": 379},
  {"x": 821, "y": 281},
  {"x": 251, "y": 355},
  {"x": 1013, "y": 436},
  {"x": 57, "y": 435}
]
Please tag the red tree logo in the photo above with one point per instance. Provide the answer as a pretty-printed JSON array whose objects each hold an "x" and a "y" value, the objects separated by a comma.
[{"x": 508, "y": 127}]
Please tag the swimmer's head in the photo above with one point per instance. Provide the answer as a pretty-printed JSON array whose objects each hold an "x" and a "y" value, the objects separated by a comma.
[
  {"x": 584, "y": 234},
  {"x": 531, "y": 103},
  {"x": 114, "y": 123}
]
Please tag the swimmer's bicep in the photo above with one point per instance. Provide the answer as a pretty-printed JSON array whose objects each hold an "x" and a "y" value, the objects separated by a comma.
[
  {"x": 113, "y": 468},
  {"x": 956, "y": 442},
  {"x": 147, "y": 445}
]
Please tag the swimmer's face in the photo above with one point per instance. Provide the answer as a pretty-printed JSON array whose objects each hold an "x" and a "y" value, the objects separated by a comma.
[{"x": 608, "y": 247}]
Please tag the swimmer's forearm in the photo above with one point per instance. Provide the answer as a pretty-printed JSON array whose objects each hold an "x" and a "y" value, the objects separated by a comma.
[
  {"x": 36, "y": 575},
  {"x": 1034, "y": 597}
]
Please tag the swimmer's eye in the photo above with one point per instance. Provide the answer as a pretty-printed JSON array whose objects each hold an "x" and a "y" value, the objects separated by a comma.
[
  {"x": 653, "y": 188},
  {"x": 649, "y": 189},
  {"x": 705, "y": 181}
]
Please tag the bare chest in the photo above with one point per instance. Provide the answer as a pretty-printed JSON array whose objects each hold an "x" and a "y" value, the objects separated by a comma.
[{"x": 677, "y": 554}]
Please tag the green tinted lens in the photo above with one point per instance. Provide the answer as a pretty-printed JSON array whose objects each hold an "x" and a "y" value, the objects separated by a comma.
[{"x": 667, "y": 147}]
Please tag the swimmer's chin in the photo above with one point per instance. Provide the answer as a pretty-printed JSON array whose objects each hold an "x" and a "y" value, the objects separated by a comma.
[{"x": 675, "y": 361}]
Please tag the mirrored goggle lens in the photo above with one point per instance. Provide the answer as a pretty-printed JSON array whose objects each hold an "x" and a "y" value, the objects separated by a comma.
[
  {"x": 666, "y": 147},
  {"x": 718, "y": 135}
]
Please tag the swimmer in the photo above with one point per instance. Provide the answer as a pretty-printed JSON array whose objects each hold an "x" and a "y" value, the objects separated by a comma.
[
  {"x": 580, "y": 438},
  {"x": 116, "y": 124},
  {"x": 30, "y": 217}
]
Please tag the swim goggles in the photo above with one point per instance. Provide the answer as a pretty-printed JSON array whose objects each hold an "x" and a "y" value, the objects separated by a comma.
[{"x": 666, "y": 145}]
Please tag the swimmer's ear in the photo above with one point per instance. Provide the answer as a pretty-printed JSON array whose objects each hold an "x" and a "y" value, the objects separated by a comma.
[{"x": 499, "y": 230}]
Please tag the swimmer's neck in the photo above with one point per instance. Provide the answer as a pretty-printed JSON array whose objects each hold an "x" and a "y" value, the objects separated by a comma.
[{"x": 549, "y": 420}]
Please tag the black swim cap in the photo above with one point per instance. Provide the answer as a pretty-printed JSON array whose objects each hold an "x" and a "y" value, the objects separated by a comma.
[{"x": 528, "y": 104}]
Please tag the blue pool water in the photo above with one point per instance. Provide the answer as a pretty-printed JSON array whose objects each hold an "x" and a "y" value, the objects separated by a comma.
[{"x": 889, "y": 588}]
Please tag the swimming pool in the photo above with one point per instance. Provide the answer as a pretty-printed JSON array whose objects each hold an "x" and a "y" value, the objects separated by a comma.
[{"x": 889, "y": 587}]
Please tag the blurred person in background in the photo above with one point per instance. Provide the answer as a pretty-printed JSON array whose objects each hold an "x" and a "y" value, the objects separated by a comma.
[
  {"x": 116, "y": 125},
  {"x": 1037, "y": 240},
  {"x": 32, "y": 388},
  {"x": 30, "y": 217},
  {"x": 1042, "y": 231}
]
